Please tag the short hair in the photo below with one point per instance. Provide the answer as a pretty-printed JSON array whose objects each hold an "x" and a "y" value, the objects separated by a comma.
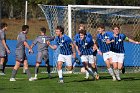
[
  {"x": 2, "y": 25},
  {"x": 43, "y": 30},
  {"x": 60, "y": 28},
  {"x": 24, "y": 27},
  {"x": 82, "y": 25},
  {"x": 115, "y": 26},
  {"x": 101, "y": 26},
  {"x": 82, "y": 32}
]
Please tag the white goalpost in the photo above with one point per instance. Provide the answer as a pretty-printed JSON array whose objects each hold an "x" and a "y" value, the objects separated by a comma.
[{"x": 128, "y": 17}]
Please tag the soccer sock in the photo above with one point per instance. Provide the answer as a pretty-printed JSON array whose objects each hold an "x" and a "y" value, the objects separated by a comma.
[
  {"x": 116, "y": 71},
  {"x": 110, "y": 70},
  {"x": 94, "y": 71},
  {"x": 1, "y": 67},
  {"x": 14, "y": 72},
  {"x": 60, "y": 74},
  {"x": 87, "y": 74},
  {"x": 28, "y": 73},
  {"x": 48, "y": 69},
  {"x": 36, "y": 71},
  {"x": 90, "y": 72}
]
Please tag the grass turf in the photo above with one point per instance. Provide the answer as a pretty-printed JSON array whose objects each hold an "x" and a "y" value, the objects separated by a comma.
[{"x": 74, "y": 83}]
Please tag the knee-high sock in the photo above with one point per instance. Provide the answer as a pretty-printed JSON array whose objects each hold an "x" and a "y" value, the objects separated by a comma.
[{"x": 60, "y": 74}]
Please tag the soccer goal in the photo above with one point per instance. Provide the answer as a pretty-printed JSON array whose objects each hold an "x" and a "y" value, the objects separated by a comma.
[{"x": 128, "y": 17}]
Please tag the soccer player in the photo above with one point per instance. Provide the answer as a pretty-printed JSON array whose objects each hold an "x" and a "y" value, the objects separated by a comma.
[
  {"x": 3, "y": 48},
  {"x": 84, "y": 46},
  {"x": 105, "y": 48},
  {"x": 117, "y": 41},
  {"x": 20, "y": 53},
  {"x": 77, "y": 36},
  {"x": 66, "y": 50},
  {"x": 42, "y": 51}
]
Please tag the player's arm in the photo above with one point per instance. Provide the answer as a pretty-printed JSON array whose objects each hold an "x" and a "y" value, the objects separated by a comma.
[
  {"x": 97, "y": 48},
  {"x": 6, "y": 47},
  {"x": 26, "y": 45},
  {"x": 73, "y": 50},
  {"x": 131, "y": 40},
  {"x": 51, "y": 46}
]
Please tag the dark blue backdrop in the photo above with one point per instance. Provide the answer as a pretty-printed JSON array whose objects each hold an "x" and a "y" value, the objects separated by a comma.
[{"x": 132, "y": 55}]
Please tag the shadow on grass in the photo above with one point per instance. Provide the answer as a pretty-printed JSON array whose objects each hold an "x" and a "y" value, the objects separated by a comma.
[{"x": 131, "y": 79}]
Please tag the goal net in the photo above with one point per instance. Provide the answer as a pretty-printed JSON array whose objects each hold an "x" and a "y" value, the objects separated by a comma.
[{"x": 128, "y": 17}]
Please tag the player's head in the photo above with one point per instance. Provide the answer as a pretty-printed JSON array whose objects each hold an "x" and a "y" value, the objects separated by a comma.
[
  {"x": 59, "y": 30},
  {"x": 3, "y": 26},
  {"x": 100, "y": 28},
  {"x": 116, "y": 29},
  {"x": 82, "y": 34},
  {"x": 25, "y": 28},
  {"x": 43, "y": 30},
  {"x": 81, "y": 27}
]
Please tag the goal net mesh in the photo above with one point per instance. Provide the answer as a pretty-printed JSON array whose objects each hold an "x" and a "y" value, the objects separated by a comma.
[{"x": 128, "y": 19}]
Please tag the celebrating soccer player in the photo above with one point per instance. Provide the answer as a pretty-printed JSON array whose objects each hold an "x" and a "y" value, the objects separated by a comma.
[
  {"x": 66, "y": 50},
  {"x": 20, "y": 53},
  {"x": 117, "y": 41},
  {"x": 42, "y": 51},
  {"x": 105, "y": 48},
  {"x": 3, "y": 48},
  {"x": 84, "y": 46}
]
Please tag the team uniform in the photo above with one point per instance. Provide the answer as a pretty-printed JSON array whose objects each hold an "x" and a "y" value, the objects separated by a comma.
[
  {"x": 20, "y": 48},
  {"x": 65, "y": 49},
  {"x": 103, "y": 46},
  {"x": 86, "y": 48},
  {"x": 118, "y": 48},
  {"x": 42, "y": 47},
  {"x": 3, "y": 53}
]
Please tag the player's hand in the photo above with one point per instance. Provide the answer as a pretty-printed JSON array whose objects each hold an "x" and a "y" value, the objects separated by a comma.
[
  {"x": 137, "y": 42},
  {"x": 79, "y": 53},
  {"x": 8, "y": 51},
  {"x": 48, "y": 43},
  {"x": 30, "y": 51},
  {"x": 99, "y": 52}
]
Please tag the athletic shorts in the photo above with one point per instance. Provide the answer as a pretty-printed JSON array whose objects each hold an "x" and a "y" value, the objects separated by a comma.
[
  {"x": 118, "y": 57},
  {"x": 42, "y": 55},
  {"x": 3, "y": 53},
  {"x": 65, "y": 58},
  {"x": 20, "y": 55},
  {"x": 107, "y": 55},
  {"x": 88, "y": 58}
]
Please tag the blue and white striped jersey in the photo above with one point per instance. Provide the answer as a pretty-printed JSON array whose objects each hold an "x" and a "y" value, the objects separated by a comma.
[
  {"x": 85, "y": 46},
  {"x": 118, "y": 45},
  {"x": 65, "y": 44},
  {"x": 101, "y": 41}
]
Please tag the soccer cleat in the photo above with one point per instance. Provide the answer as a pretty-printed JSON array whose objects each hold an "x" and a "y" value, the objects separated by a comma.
[
  {"x": 50, "y": 77},
  {"x": 118, "y": 78},
  {"x": 2, "y": 74},
  {"x": 114, "y": 78},
  {"x": 35, "y": 78},
  {"x": 12, "y": 79},
  {"x": 86, "y": 77},
  {"x": 31, "y": 79},
  {"x": 60, "y": 81}
]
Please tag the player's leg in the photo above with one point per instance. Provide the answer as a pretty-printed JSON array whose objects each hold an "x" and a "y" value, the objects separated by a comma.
[
  {"x": 27, "y": 70},
  {"x": 68, "y": 60},
  {"x": 59, "y": 67},
  {"x": 37, "y": 69},
  {"x": 46, "y": 59},
  {"x": 119, "y": 65},
  {"x": 15, "y": 69},
  {"x": 48, "y": 68},
  {"x": 107, "y": 58},
  {"x": 84, "y": 59},
  {"x": 2, "y": 60},
  {"x": 38, "y": 62}
]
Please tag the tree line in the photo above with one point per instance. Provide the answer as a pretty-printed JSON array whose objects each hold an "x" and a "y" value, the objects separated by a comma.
[{"x": 16, "y": 8}]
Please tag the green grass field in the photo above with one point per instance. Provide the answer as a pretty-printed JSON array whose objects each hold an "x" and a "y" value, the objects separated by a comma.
[{"x": 74, "y": 83}]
